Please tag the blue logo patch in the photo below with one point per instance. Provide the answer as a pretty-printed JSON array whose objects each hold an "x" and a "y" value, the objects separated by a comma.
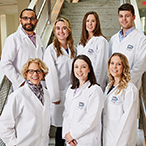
[
  {"x": 81, "y": 105},
  {"x": 90, "y": 51},
  {"x": 129, "y": 47},
  {"x": 114, "y": 99}
]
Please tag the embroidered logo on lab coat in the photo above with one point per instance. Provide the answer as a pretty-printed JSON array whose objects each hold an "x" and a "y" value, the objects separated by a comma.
[
  {"x": 81, "y": 105},
  {"x": 114, "y": 99},
  {"x": 90, "y": 51},
  {"x": 129, "y": 47}
]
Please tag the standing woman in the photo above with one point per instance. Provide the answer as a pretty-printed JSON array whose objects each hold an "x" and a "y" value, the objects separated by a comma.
[
  {"x": 83, "y": 106},
  {"x": 58, "y": 57},
  {"x": 120, "y": 106},
  {"x": 94, "y": 45},
  {"x": 25, "y": 120}
]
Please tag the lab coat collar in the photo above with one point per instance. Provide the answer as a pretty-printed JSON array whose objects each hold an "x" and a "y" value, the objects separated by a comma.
[
  {"x": 35, "y": 98},
  {"x": 24, "y": 36},
  {"x": 87, "y": 84},
  {"x": 111, "y": 92},
  {"x": 128, "y": 36},
  {"x": 65, "y": 53}
]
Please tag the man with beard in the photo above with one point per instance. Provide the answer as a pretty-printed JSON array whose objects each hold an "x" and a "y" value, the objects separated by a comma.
[{"x": 19, "y": 47}]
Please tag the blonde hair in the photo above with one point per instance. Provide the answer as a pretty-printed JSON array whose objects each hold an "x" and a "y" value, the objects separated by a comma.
[
  {"x": 125, "y": 77},
  {"x": 39, "y": 62},
  {"x": 70, "y": 40}
]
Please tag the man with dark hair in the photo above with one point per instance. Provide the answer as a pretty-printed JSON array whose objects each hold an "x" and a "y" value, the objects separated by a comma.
[
  {"x": 131, "y": 43},
  {"x": 19, "y": 47}
]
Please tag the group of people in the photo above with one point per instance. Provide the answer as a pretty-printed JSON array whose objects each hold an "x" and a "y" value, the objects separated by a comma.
[{"x": 80, "y": 100}]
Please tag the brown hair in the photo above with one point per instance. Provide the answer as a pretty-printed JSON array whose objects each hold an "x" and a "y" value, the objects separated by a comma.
[
  {"x": 125, "y": 77},
  {"x": 84, "y": 33},
  {"x": 39, "y": 62},
  {"x": 91, "y": 75},
  {"x": 70, "y": 40}
]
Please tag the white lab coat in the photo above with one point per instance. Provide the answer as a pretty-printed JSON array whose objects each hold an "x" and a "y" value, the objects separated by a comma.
[
  {"x": 57, "y": 81},
  {"x": 82, "y": 115},
  {"x": 134, "y": 48},
  {"x": 120, "y": 117},
  {"x": 24, "y": 120},
  {"x": 97, "y": 49},
  {"x": 17, "y": 50}
]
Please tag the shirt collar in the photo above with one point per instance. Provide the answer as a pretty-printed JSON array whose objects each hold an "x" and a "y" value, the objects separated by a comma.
[
  {"x": 34, "y": 34},
  {"x": 121, "y": 37}
]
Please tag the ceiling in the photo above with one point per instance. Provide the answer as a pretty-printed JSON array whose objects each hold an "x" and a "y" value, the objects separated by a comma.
[{"x": 8, "y": 7}]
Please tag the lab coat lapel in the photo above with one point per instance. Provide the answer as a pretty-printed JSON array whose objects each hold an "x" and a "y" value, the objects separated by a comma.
[
  {"x": 34, "y": 98},
  {"x": 111, "y": 92},
  {"x": 65, "y": 53},
  {"x": 128, "y": 36},
  {"x": 88, "y": 45},
  {"x": 24, "y": 36},
  {"x": 81, "y": 89}
]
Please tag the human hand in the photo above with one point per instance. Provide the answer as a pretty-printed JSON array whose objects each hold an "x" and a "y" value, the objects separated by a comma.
[
  {"x": 73, "y": 142},
  {"x": 68, "y": 138},
  {"x": 57, "y": 102}
]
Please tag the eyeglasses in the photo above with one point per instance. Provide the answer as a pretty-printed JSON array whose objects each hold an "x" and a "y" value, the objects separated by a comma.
[
  {"x": 27, "y": 18},
  {"x": 38, "y": 71}
]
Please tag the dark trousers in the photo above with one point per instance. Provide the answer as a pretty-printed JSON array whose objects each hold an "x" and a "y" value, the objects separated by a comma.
[{"x": 58, "y": 137}]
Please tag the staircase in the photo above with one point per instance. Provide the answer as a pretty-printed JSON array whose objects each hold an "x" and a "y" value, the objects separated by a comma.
[{"x": 107, "y": 11}]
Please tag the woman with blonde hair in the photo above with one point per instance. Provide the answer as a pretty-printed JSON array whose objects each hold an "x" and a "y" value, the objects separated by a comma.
[
  {"x": 58, "y": 57},
  {"x": 94, "y": 45},
  {"x": 25, "y": 119},
  {"x": 120, "y": 105}
]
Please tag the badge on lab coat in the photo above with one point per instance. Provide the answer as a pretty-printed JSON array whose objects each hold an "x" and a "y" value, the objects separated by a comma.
[
  {"x": 90, "y": 51},
  {"x": 81, "y": 105},
  {"x": 129, "y": 47}
]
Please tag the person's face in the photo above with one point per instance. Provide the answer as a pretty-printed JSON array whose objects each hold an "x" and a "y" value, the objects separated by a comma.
[
  {"x": 116, "y": 67},
  {"x": 61, "y": 31},
  {"x": 90, "y": 23},
  {"x": 81, "y": 70},
  {"x": 126, "y": 19},
  {"x": 28, "y": 21},
  {"x": 34, "y": 77}
]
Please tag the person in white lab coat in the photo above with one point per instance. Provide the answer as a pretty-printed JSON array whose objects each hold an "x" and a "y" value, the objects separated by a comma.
[
  {"x": 25, "y": 120},
  {"x": 120, "y": 105},
  {"x": 94, "y": 45},
  {"x": 83, "y": 106},
  {"x": 131, "y": 43},
  {"x": 19, "y": 47},
  {"x": 58, "y": 57}
]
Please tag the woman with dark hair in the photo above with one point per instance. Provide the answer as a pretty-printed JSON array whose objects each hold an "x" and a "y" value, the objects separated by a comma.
[
  {"x": 94, "y": 45},
  {"x": 58, "y": 57},
  {"x": 83, "y": 106},
  {"x": 121, "y": 104}
]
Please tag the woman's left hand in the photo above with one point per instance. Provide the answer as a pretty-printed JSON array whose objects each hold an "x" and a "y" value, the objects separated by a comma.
[{"x": 68, "y": 138}]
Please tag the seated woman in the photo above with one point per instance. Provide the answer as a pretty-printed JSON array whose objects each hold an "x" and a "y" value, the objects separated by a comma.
[
  {"x": 120, "y": 105},
  {"x": 25, "y": 120},
  {"x": 83, "y": 106}
]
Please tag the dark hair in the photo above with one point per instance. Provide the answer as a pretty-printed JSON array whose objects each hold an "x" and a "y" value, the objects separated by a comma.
[
  {"x": 127, "y": 7},
  {"x": 84, "y": 33},
  {"x": 91, "y": 75},
  {"x": 27, "y": 9}
]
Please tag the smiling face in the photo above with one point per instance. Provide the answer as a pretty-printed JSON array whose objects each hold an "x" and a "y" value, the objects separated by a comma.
[
  {"x": 61, "y": 31},
  {"x": 90, "y": 23},
  {"x": 27, "y": 24},
  {"x": 34, "y": 78},
  {"x": 116, "y": 67},
  {"x": 126, "y": 20},
  {"x": 81, "y": 70}
]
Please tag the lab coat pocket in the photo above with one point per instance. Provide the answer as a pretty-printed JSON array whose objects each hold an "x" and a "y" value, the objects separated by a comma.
[{"x": 114, "y": 111}]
